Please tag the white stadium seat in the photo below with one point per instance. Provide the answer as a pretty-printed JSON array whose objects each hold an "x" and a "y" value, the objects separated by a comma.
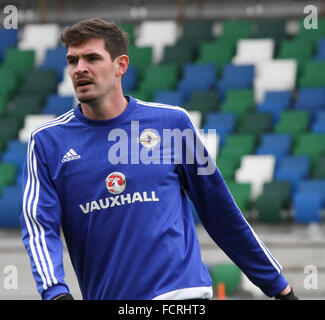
[
  {"x": 39, "y": 37},
  {"x": 256, "y": 170},
  {"x": 157, "y": 34}
]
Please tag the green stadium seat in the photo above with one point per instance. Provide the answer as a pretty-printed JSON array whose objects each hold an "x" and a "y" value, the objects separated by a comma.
[
  {"x": 293, "y": 122},
  {"x": 233, "y": 30},
  {"x": 255, "y": 123},
  {"x": 269, "y": 210},
  {"x": 319, "y": 169},
  {"x": 218, "y": 52},
  {"x": 9, "y": 128},
  {"x": 24, "y": 104},
  {"x": 7, "y": 174},
  {"x": 238, "y": 101},
  {"x": 241, "y": 193},
  {"x": 311, "y": 35},
  {"x": 313, "y": 74},
  {"x": 39, "y": 82},
  {"x": 270, "y": 28},
  {"x": 204, "y": 101},
  {"x": 299, "y": 50},
  {"x": 197, "y": 31},
  {"x": 178, "y": 54},
  {"x": 129, "y": 28},
  {"x": 19, "y": 61},
  {"x": 141, "y": 58},
  {"x": 228, "y": 274},
  {"x": 159, "y": 77},
  {"x": 227, "y": 167},
  {"x": 311, "y": 145}
]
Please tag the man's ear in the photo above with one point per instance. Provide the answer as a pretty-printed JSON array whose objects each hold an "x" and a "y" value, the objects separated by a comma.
[{"x": 121, "y": 64}]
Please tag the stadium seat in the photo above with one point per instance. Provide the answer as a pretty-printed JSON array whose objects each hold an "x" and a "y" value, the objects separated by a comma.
[
  {"x": 238, "y": 145},
  {"x": 19, "y": 61},
  {"x": 320, "y": 50},
  {"x": 256, "y": 170},
  {"x": 158, "y": 77},
  {"x": 318, "y": 125},
  {"x": 197, "y": 77},
  {"x": 227, "y": 168},
  {"x": 171, "y": 97},
  {"x": 141, "y": 58},
  {"x": 228, "y": 274},
  {"x": 241, "y": 193},
  {"x": 130, "y": 80},
  {"x": 235, "y": 77},
  {"x": 31, "y": 122},
  {"x": 238, "y": 102},
  {"x": 255, "y": 123},
  {"x": 55, "y": 59},
  {"x": 233, "y": 30},
  {"x": 275, "y": 102},
  {"x": 270, "y": 28},
  {"x": 313, "y": 74},
  {"x": 147, "y": 36},
  {"x": 270, "y": 211},
  {"x": 8, "y": 39},
  {"x": 204, "y": 101},
  {"x": 65, "y": 87},
  {"x": 48, "y": 36},
  {"x": 254, "y": 52},
  {"x": 311, "y": 145},
  {"x": 223, "y": 123},
  {"x": 10, "y": 207},
  {"x": 293, "y": 122},
  {"x": 307, "y": 207},
  {"x": 15, "y": 153},
  {"x": 178, "y": 54},
  {"x": 275, "y": 75},
  {"x": 8, "y": 129},
  {"x": 130, "y": 29},
  {"x": 319, "y": 169},
  {"x": 217, "y": 52},
  {"x": 7, "y": 174},
  {"x": 293, "y": 169},
  {"x": 278, "y": 145},
  {"x": 57, "y": 105}
]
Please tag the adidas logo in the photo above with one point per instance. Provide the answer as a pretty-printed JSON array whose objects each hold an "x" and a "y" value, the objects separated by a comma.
[{"x": 70, "y": 155}]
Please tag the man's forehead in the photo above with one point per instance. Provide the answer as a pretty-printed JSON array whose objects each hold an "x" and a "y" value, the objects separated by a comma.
[{"x": 93, "y": 45}]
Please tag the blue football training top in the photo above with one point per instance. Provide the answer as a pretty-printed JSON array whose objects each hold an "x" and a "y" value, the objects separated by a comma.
[{"x": 119, "y": 188}]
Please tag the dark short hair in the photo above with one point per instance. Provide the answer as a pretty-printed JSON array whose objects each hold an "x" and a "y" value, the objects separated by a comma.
[{"x": 116, "y": 40}]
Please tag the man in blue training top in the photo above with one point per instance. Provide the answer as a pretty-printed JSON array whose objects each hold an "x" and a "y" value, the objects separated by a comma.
[{"x": 115, "y": 173}]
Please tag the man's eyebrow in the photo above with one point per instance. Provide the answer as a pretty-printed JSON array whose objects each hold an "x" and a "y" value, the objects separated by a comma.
[{"x": 71, "y": 56}]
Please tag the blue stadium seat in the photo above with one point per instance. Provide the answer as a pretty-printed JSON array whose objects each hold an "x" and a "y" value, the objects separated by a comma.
[
  {"x": 171, "y": 97},
  {"x": 293, "y": 169},
  {"x": 15, "y": 153},
  {"x": 312, "y": 99},
  {"x": 197, "y": 77},
  {"x": 10, "y": 207},
  {"x": 55, "y": 59},
  {"x": 275, "y": 143},
  {"x": 129, "y": 80},
  {"x": 223, "y": 123},
  {"x": 320, "y": 50},
  {"x": 235, "y": 77},
  {"x": 314, "y": 186},
  {"x": 8, "y": 39},
  {"x": 307, "y": 207},
  {"x": 318, "y": 125},
  {"x": 275, "y": 102},
  {"x": 55, "y": 104}
]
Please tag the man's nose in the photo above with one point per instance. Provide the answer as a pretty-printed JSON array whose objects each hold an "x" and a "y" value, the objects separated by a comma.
[{"x": 82, "y": 66}]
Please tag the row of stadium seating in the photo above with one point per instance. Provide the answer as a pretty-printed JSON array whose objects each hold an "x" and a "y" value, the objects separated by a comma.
[{"x": 259, "y": 90}]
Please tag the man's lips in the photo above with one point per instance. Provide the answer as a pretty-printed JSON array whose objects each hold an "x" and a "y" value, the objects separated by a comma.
[{"x": 83, "y": 82}]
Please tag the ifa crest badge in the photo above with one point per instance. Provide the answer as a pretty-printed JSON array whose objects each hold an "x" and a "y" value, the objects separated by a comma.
[
  {"x": 149, "y": 138},
  {"x": 115, "y": 182}
]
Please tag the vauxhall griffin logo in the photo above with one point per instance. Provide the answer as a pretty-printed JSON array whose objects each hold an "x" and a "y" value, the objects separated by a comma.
[{"x": 116, "y": 182}]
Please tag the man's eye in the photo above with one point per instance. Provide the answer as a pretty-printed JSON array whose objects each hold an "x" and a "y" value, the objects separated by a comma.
[{"x": 72, "y": 61}]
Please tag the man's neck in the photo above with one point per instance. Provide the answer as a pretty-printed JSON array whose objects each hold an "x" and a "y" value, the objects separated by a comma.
[{"x": 104, "y": 110}]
